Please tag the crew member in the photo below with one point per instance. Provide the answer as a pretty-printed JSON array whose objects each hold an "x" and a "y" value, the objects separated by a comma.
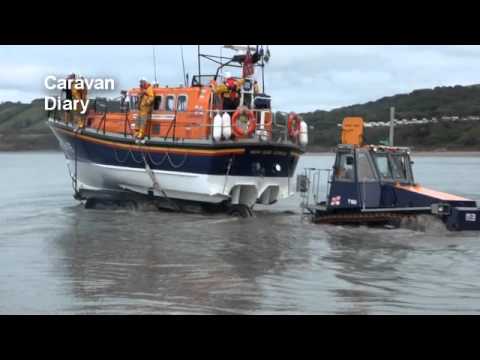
[
  {"x": 77, "y": 89},
  {"x": 68, "y": 96},
  {"x": 229, "y": 91},
  {"x": 145, "y": 108},
  {"x": 79, "y": 93}
]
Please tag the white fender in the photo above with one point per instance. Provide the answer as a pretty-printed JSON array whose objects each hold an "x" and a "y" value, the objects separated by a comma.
[
  {"x": 226, "y": 126},
  {"x": 217, "y": 127},
  {"x": 303, "y": 133}
]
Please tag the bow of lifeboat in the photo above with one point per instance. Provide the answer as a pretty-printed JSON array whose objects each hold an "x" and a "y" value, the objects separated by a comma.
[{"x": 193, "y": 151}]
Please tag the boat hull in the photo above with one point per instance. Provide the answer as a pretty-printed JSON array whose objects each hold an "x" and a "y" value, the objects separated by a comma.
[{"x": 240, "y": 173}]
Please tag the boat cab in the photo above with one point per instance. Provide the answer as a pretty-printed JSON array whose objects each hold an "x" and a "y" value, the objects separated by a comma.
[
  {"x": 197, "y": 148},
  {"x": 375, "y": 184}
]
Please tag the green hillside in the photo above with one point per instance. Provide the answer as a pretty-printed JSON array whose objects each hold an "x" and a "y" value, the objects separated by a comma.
[
  {"x": 22, "y": 126},
  {"x": 428, "y": 103}
]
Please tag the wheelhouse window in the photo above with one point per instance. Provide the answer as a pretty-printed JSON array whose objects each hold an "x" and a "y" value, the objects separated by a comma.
[
  {"x": 383, "y": 166},
  {"x": 157, "y": 103},
  {"x": 344, "y": 169},
  {"x": 169, "y": 104},
  {"x": 182, "y": 103},
  {"x": 365, "y": 170}
]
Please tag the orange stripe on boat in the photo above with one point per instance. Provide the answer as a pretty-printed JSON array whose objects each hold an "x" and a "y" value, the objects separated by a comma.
[
  {"x": 432, "y": 193},
  {"x": 156, "y": 149}
]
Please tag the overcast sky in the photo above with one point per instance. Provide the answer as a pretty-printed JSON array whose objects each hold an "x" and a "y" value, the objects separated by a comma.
[{"x": 299, "y": 78}]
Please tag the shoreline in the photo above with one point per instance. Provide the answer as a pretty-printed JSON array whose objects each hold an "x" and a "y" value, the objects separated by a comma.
[
  {"x": 42, "y": 142},
  {"x": 423, "y": 153}
]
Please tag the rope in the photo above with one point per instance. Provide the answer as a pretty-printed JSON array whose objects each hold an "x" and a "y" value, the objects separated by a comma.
[
  {"x": 156, "y": 186},
  {"x": 229, "y": 167},
  {"x": 181, "y": 164},
  {"x": 133, "y": 157},
  {"x": 75, "y": 181},
  {"x": 117, "y": 159},
  {"x": 157, "y": 163}
]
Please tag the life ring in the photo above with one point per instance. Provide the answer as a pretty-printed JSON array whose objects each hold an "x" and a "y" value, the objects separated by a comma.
[
  {"x": 293, "y": 125},
  {"x": 252, "y": 122}
]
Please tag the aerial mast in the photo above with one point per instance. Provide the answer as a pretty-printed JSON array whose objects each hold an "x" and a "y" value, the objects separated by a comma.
[
  {"x": 154, "y": 64},
  {"x": 263, "y": 72},
  {"x": 183, "y": 65},
  {"x": 199, "y": 69}
]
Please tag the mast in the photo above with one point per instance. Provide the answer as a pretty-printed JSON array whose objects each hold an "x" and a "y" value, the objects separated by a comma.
[
  {"x": 263, "y": 72},
  {"x": 154, "y": 64},
  {"x": 183, "y": 65},
  {"x": 199, "y": 69}
]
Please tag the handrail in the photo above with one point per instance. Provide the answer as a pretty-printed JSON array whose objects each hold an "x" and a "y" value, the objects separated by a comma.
[{"x": 267, "y": 129}]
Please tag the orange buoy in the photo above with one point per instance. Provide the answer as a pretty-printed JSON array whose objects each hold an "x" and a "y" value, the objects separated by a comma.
[
  {"x": 252, "y": 122},
  {"x": 293, "y": 125}
]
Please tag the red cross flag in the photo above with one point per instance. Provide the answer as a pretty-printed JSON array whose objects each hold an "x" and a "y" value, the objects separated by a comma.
[{"x": 335, "y": 201}]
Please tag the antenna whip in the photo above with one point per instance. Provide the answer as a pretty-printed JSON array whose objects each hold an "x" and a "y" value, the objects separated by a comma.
[
  {"x": 183, "y": 65},
  {"x": 154, "y": 64}
]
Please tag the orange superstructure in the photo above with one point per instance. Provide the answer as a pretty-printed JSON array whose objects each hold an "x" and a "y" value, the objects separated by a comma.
[{"x": 180, "y": 112}]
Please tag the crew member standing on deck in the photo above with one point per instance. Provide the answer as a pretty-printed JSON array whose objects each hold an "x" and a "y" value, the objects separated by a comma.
[
  {"x": 79, "y": 92},
  {"x": 68, "y": 96},
  {"x": 229, "y": 92},
  {"x": 145, "y": 108}
]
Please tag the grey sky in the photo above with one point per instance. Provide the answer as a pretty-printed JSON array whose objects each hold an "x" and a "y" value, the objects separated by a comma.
[{"x": 299, "y": 78}]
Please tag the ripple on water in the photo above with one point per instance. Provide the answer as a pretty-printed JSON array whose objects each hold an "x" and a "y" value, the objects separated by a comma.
[{"x": 58, "y": 257}]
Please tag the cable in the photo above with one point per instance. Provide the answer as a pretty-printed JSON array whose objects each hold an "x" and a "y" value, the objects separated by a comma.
[
  {"x": 181, "y": 164},
  {"x": 133, "y": 157},
  {"x": 117, "y": 159},
  {"x": 157, "y": 163}
]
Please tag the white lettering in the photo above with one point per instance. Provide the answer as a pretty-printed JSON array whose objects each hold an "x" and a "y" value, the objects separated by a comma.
[
  {"x": 50, "y": 103},
  {"x": 67, "y": 105},
  {"x": 52, "y": 83},
  {"x": 109, "y": 84},
  {"x": 84, "y": 106},
  {"x": 47, "y": 84}
]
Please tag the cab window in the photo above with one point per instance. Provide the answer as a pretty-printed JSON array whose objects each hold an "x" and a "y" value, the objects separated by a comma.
[
  {"x": 344, "y": 168},
  {"x": 157, "y": 104},
  {"x": 400, "y": 166},
  {"x": 169, "y": 103},
  {"x": 182, "y": 103},
  {"x": 364, "y": 168},
  {"x": 383, "y": 165}
]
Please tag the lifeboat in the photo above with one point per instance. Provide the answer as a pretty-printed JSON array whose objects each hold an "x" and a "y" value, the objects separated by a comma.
[
  {"x": 196, "y": 150},
  {"x": 374, "y": 185}
]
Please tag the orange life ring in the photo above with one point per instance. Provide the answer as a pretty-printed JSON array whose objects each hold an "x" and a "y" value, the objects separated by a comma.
[
  {"x": 252, "y": 122},
  {"x": 293, "y": 130}
]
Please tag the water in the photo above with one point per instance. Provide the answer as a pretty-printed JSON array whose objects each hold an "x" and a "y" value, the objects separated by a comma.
[{"x": 57, "y": 257}]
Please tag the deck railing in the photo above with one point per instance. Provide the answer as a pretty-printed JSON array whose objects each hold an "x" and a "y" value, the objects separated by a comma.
[{"x": 274, "y": 130}]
